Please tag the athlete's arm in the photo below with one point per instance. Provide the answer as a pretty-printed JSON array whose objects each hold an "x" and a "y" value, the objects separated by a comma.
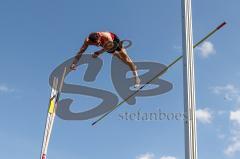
[
  {"x": 79, "y": 54},
  {"x": 97, "y": 53}
]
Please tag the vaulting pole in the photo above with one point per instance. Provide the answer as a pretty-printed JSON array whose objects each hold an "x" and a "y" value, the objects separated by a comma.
[
  {"x": 189, "y": 82},
  {"x": 53, "y": 103}
]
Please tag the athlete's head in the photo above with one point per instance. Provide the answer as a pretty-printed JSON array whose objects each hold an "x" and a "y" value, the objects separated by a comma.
[{"x": 93, "y": 37}]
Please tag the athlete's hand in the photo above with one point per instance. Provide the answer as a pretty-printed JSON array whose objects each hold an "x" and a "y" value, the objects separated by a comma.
[{"x": 73, "y": 66}]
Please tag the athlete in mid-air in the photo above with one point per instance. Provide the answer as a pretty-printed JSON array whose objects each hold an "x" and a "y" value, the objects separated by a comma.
[{"x": 110, "y": 43}]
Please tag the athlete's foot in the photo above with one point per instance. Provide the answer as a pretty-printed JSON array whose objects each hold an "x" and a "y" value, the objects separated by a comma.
[{"x": 137, "y": 82}]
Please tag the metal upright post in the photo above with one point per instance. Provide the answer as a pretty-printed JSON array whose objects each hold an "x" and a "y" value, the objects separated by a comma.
[{"x": 189, "y": 82}]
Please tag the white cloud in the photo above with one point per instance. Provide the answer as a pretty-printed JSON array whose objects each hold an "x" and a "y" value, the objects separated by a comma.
[
  {"x": 221, "y": 136},
  {"x": 235, "y": 116},
  {"x": 206, "y": 49},
  {"x": 234, "y": 145},
  {"x": 229, "y": 88},
  {"x": 152, "y": 156},
  {"x": 168, "y": 157},
  {"x": 221, "y": 112},
  {"x": 146, "y": 156},
  {"x": 204, "y": 116},
  {"x": 232, "y": 148},
  {"x": 5, "y": 89},
  {"x": 230, "y": 92}
]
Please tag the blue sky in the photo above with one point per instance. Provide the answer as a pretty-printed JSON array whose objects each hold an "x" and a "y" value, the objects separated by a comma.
[{"x": 37, "y": 36}]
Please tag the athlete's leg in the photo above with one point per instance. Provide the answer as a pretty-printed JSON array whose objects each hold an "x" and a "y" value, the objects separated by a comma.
[{"x": 122, "y": 55}]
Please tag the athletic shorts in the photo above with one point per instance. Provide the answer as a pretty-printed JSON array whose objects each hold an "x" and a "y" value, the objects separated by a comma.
[{"x": 117, "y": 44}]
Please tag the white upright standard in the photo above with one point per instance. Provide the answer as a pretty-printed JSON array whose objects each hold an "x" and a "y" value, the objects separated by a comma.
[{"x": 189, "y": 82}]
